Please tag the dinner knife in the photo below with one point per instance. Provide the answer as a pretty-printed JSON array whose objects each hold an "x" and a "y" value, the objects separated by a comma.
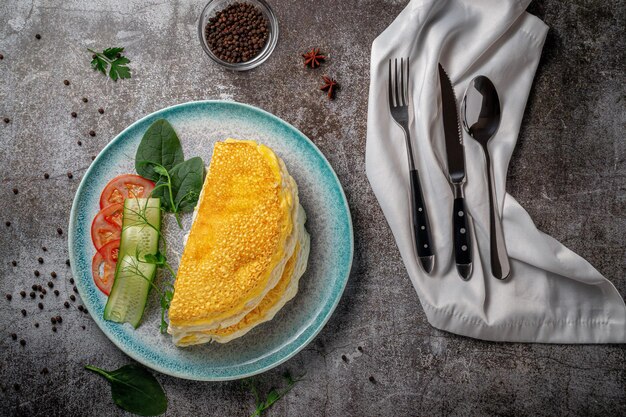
[{"x": 456, "y": 175}]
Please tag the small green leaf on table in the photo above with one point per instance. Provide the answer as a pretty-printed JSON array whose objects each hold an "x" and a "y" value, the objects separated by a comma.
[{"x": 135, "y": 390}]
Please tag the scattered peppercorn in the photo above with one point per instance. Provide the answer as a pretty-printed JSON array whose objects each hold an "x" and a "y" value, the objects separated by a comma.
[
  {"x": 101, "y": 110},
  {"x": 23, "y": 293},
  {"x": 54, "y": 328},
  {"x": 80, "y": 307},
  {"x": 40, "y": 305},
  {"x": 73, "y": 114},
  {"x": 15, "y": 190},
  {"x": 59, "y": 319},
  {"x": 41, "y": 296},
  {"x": 53, "y": 320},
  {"x": 9, "y": 297},
  {"x": 46, "y": 175},
  {"x": 237, "y": 33},
  {"x": 92, "y": 133},
  {"x": 16, "y": 386},
  {"x": 32, "y": 294},
  {"x": 85, "y": 99},
  {"x": 72, "y": 281},
  {"x": 67, "y": 262},
  {"x": 8, "y": 223},
  {"x": 344, "y": 358},
  {"x": 34, "y": 287},
  {"x": 75, "y": 289},
  {"x": 372, "y": 380},
  {"x": 66, "y": 82},
  {"x": 13, "y": 336},
  {"x": 66, "y": 304},
  {"x": 6, "y": 120},
  {"x": 38, "y": 36},
  {"x": 37, "y": 325},
  {"x": 36, "y": 273},
  {"x": 83, "y": 327},
  {"x": 43, "y": 290},
  {"x": 73, "y": 297},
  {"x": 85, "y": 311},
  {"x": 40, "y": 260},
  {"x": 43, "y": 248},
  {"x": 56, "y": 292},
  {"x": 14, "y": 263},
  {"x": 93, "y": 157},
  {"x": 70, "y": 175},
  {"x": 23, "y": 342},
  {"x": 39, "y": 287},
  {"x": 23, "y": 312},
  {"x": 80, "y": 143},
  {"x": 59, "y": 231},
  {"x": 44, "y": 371},
  {"x": 1, "y": 56}
]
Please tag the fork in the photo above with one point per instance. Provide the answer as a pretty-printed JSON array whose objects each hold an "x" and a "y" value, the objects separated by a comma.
[{"x": 399, "y": 108}]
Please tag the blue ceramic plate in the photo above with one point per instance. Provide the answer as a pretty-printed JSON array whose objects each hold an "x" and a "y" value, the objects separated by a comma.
[{"x": 199, "y": 125}]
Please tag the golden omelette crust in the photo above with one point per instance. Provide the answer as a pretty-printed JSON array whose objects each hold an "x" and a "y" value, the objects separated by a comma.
[{"x": 242, "y": 223}]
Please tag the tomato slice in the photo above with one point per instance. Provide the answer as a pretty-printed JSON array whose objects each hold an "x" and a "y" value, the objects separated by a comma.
[
  {"x": 107, "y": 225},
  {"x": 124, "y": 186},
  {"x": 103, "y": 265}
]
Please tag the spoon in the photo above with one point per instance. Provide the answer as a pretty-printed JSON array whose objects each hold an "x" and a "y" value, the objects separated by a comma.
[{"x": 481, "y": 119}]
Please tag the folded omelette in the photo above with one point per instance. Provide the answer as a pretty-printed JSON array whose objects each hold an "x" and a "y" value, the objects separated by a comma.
[{"x": 246, "y": 250}]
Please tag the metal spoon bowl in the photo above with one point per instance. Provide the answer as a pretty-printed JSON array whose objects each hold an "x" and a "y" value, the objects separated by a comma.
[{"x": 481, "y": 119}]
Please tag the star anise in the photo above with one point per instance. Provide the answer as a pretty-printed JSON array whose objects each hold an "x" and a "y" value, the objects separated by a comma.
[
  {"x": 313, "y": 58},
  {"x": 330, "y": 86}
]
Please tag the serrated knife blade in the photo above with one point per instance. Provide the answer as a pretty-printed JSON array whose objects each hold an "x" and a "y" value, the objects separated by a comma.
[{"x": 456, "y": 174}]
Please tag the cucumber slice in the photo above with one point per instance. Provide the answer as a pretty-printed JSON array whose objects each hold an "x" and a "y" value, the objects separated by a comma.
[{"x": 133, "y": 277}]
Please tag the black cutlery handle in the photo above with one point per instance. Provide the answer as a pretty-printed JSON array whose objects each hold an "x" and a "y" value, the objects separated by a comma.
[
  {"x": 419, "y": 217},
  {"x": 462, "y": 242}
]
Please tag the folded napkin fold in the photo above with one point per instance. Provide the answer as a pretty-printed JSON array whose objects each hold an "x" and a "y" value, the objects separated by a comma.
[{"x": 552, "y": 295}]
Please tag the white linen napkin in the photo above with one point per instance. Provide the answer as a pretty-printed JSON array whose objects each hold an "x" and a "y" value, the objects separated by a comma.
[{"x": 552, "y": 295}]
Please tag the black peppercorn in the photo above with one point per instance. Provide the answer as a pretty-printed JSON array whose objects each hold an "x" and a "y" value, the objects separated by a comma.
[
  {"x": 73, "y": 297},
  {"x": 38, "y": 36},
  {"x": 9, "y": 297},
  {"x": 59, "y": 231},
  {"x": 34, "y": 287},
  {"x": 39, "y": 288},
  {"x": 7, "y": 120},
  {"x": 372, "y": 380},
  {"x": 83, "y": 327},
  {"x": 72, "y": 281},
  {"x": 8, "y": 223},
  {"x": 32, "y": 294},
  {"x": 53, "y": 274},
  {"x": 36, "y": 273},
  {"x": 53, "y": 320},
  {"x": 13, "y": 336},
  {"x": 15, "y": 190},
  {"x": 92, "y": 133},
  {"x": 75, "y": 289},
  {"x": 24, "y": 311},
  {"x": 59, "y": 319},
  {"x": 54, "y": 328},
  {"x": 66, "y": 82},
  {"x": 23, "y": 342},
  {"x": 16, "y": 386},
  {"x": 93, "y": 157},
  {"x": 14, "y": 263},
  {"x": 101, "y": 110},
  {"x": 56, "y": 292},
  {"x": 344, "y": 358},
  {"x": 40, "y": 305},
  {"x": 44, "y": 371},
  {"x": 80, "y": 143},
  {"x": 1, "y": 56},
  {"x": 67, "y": 262},
  {"x": 23, "y": 293},
  {"x": 70, "y": 175},
  {"x": 80, "y": 307},
  {"x": 73, "y": 114},
  {"x": 41, "y": 296},
  {"x": 66, "y": 304},
  {"x": 37, "y": 325},
  {"x": 85, "y": 99},
  {"x": 46, "y": 175},
  {"x": 40, "y": 260},
  {"x": 43, "y": 248}
]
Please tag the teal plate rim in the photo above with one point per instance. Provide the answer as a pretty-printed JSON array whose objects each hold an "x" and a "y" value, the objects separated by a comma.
[{"x": 247, "y": 369}]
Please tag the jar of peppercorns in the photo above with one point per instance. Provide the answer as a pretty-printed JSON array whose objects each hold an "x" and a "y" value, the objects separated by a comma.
[{"x": 239, "y": 35}]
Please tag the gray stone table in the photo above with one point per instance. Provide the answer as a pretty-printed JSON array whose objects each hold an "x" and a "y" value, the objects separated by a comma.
[{"x": 568, "y": 171}]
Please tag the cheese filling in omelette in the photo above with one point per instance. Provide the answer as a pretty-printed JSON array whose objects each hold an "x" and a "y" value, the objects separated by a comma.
[{"x": 246, "y": 250}]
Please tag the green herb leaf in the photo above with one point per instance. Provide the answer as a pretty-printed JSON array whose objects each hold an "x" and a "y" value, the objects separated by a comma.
[
  {"x": 186, "y": 182},
  {"x": 272, "y": 396},
  {"x": 135, "y": 389},
  {"x": 113, "y": 57},
  {"x": 159, "y": 145}
]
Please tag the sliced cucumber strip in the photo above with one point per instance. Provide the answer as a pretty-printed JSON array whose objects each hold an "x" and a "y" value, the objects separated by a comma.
[{"x": 133, "y": 276}]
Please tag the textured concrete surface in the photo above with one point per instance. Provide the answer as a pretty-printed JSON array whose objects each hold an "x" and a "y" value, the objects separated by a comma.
[{"x": 568, "y": 170}]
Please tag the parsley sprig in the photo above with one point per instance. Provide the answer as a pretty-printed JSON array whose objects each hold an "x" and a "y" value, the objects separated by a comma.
[
  {"x": 272, "y": 396},
  {"x": 114, "y": 58}
]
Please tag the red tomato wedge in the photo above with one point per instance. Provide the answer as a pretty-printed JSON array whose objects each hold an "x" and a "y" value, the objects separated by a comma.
[
  {"x": 124, "y": 186},
  {"x": 107, "y": 225},
  {"x": 103, "y": 265}
]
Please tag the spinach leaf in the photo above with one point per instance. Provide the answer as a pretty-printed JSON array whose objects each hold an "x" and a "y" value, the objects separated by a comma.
[
  {"x": 159, "y": 145},
  {"x": 186, "y": 181},
  {"x": 135, "y": 390}
]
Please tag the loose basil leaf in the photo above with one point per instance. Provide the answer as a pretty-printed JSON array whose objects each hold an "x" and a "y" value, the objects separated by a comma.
[
  {"x": 187, "y": 178},
  {"x": 159, "y": 145},
  {"x": 135, "y": 390}
]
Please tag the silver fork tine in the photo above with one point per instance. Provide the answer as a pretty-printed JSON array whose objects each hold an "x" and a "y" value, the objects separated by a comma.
[
  {"x": 404, "y": 100},
  {"x": 407, "y": 79},
  {"x": 390, "y": 89},
  {"x": 396, "y": 82}
]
